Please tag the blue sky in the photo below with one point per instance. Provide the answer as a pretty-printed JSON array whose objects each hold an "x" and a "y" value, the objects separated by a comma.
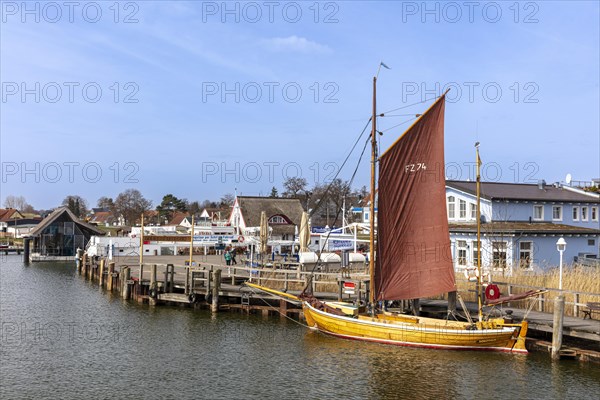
[{"x": 197, "y": 100}]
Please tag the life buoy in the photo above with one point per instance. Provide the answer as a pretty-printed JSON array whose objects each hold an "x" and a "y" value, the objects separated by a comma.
[
  {"x": 241, "y": 239},
  {"x": 492, "y": 292},
  {"x": 471, "y": 274}
]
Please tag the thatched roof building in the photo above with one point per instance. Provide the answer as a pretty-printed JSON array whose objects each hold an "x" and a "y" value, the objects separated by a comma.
[{"x": 283, "y": 214}]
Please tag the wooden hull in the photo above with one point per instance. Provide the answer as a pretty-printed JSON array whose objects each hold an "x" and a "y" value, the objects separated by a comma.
[{"x": 419, "y": 332}]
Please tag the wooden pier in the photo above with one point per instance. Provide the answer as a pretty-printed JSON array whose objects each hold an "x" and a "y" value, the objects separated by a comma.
[
  {"x": 211, "y": 285},
  {"x": 214, "y": 286}
]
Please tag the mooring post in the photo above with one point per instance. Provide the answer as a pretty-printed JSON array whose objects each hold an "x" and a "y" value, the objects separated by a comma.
[
  {"x": 166, "y": 285},
  {"x": 84, "y": 261},
  {"x": 283, "y": 308},
  {"x": 215, "y": 291},
  {"x": 126, "y": 274},
  {"x": 153, "y": 292},
  {"x": 110, "y": 277},
  {"x": 101, "y": 273},
  {"x": 172, "y": 279},
  {"x": 26, "y": 243},
  {"x": 187, "y": 280},
  {"x": 557, "y": 325}
]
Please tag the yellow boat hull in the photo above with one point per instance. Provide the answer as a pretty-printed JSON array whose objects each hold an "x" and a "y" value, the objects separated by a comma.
[{"x": 420, "y": 332}]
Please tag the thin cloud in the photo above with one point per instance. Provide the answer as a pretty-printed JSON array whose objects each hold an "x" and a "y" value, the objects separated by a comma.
[{"x": 295, "y": 44}]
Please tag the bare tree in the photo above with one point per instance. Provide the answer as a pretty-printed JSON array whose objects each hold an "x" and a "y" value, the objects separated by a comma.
[
  {"x": 294, "y": 186},
  {"x": 16, "y": 202},
  {"x": 131, "y": 204},
  {"x": 227, "y": 199}
]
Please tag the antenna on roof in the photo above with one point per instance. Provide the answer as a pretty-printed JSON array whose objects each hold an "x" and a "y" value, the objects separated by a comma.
[{"x": 569, "y": 179}]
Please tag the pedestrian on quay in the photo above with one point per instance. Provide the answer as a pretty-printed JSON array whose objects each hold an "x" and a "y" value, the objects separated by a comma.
[
  {"x": 233, "y": 260},
  {"x": 227, "y": 256}
]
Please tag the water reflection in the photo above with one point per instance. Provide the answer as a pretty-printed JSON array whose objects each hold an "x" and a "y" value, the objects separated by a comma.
[{"x": 111, "y": 348}]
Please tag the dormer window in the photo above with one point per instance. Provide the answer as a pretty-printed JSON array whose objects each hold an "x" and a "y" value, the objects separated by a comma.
[{"x": 277, "y": 219}]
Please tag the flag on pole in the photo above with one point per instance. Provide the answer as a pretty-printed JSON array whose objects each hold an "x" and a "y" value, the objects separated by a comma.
[{"x": 384, "y": 66}]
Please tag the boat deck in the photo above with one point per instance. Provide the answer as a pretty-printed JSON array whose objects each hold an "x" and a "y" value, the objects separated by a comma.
[{"x": 577, "y": 328}]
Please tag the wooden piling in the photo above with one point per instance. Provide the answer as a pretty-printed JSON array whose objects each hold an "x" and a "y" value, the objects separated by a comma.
[
  {"x": 125, "y": 288},
  {"x": 153, "y": 285},
  {"x": 101, "y": 273},
  {"x": 215, "y": 290},
  {"x": 187, "y": 280},
  {"x": 84, "y": 263},
  {"x": 283, "y": 305},
  {"x": 557, "y": 326},
  {"x": 110, "y": 277}
]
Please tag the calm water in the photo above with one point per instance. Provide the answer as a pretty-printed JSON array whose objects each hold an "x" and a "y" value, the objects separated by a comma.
[{"x": 62, "y": 337}]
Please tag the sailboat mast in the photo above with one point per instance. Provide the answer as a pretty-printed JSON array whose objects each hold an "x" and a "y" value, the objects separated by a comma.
[
  {"x": 480, "y": 314},
  {"x": 372, "y": 205}
]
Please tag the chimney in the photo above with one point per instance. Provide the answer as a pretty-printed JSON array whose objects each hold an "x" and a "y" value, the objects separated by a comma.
[{"x": 541, "y": 184}]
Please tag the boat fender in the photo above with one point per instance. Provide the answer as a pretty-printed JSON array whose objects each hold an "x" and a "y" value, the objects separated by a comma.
[
  {"x": 153, "y": 293},
  {"x": 492, "y": 292},
  {"x": 192, "y": 298}
]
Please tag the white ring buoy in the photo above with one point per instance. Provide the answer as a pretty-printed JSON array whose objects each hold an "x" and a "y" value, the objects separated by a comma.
[{"x": 241, "y": 239}]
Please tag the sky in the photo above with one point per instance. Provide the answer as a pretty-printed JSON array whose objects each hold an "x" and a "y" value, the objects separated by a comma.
[{"x": 199, "y": 99}]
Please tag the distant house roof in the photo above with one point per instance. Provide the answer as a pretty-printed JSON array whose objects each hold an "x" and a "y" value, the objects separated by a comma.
[
  {"x": 102, "y": 217},
  {"x": 178, "y": 218},
  {"x": 9, "y": 214},
  {"x": 252, "y": 207},
  {"x": 523, "y": 192},
  {"x": 56, "y": 214},
  {"x": 501, "y": 227}
]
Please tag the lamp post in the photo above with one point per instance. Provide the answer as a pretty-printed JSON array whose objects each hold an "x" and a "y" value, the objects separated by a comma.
[
  {"x": 561, "y": 245},
  {"x": 559, "y": 305}
]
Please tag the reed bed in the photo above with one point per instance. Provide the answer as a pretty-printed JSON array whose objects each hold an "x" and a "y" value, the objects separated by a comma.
[{"x": 581, "y": 284}]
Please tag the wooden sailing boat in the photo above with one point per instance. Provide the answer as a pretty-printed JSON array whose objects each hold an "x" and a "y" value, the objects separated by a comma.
[{"x": 413, "y": 252}]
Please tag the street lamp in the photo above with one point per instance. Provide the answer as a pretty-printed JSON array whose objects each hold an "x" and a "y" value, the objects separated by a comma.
[{"x": 561, "y": 245}]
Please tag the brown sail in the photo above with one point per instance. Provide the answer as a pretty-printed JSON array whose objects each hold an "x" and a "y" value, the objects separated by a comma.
[{"x": 413, "y": 244}]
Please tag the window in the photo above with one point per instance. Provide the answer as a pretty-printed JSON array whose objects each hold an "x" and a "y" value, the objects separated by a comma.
[
  {"x": 525, "y": 252},
  {"x": 575, "y": 213},
  {"x": 584, "y": 213},
  {"x": 557, "y": 213},
  {"x": 594, "y": 213},
  {"x": 366, "y": 216},
  {"x": 277, "y": 219},
  {"x": 499, "y": 254},
  {"x": 591, "y": 242},
  {"x": 538, "y": 213},
  {"x": 473, "y": 207},
  {"x": 451, "y": 205},
  {"x": 461, "y": 246},
  {"x": 462, "y": 209},
  {"x": 475, "y": 253}
]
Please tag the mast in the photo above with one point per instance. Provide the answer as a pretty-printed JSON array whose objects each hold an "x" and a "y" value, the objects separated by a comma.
[
  {"x": 372, "y": 205},
  {"x": 479, "y": 311}
]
